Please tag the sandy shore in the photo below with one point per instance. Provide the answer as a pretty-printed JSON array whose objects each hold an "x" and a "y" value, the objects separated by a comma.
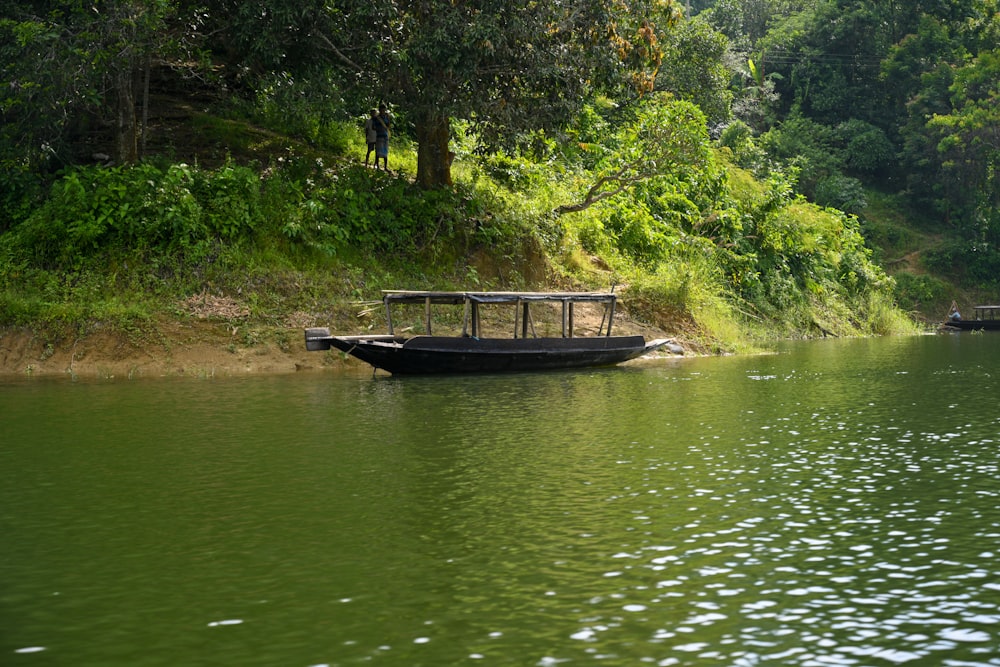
[{"x": 197, "y": 349}]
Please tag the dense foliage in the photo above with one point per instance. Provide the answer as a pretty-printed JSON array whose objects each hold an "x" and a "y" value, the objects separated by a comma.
[
  {"x": 729, "y": 165},
  {"x": 897, "y": 95},
  {"x": 506, "y": 65}
]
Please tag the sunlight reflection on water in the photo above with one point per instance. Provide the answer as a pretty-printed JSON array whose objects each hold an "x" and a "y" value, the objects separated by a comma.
[{"x": 819, "y": 536}]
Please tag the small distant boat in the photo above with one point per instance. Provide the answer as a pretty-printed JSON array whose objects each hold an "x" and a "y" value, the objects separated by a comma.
[
  {"x": 986, "y": 318},
  {"x": 471, "y": 352}
]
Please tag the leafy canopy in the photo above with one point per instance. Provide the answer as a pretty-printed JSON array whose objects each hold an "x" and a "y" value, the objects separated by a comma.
[{"x": 505, "y": 65}]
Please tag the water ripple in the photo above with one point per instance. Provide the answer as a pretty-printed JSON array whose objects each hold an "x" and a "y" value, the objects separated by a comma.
[{"x": 812, "y": 509}]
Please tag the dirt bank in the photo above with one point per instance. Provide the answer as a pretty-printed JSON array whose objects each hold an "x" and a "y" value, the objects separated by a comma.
[
  {"x": 194, "y": 349},
  {"x": 191, "y": 348}
]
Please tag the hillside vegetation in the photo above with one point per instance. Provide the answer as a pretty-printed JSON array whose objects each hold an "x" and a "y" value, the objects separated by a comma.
[
  {"x": 289, "y": 233},
  {"x": 725, "y": 197}
]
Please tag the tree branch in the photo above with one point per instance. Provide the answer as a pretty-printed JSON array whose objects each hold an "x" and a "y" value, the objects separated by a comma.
[
  {"x": 337, "y": 52},
  {"x": 596, "y": 193}
]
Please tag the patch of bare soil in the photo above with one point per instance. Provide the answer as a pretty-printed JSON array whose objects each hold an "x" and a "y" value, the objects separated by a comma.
[
  {"x": 193, "y": 349},
  {"x": 910, "y": 263},
  {"x": 212, "y": 340}
]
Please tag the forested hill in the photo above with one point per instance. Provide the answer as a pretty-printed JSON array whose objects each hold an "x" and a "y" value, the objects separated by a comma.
[{"x": 746, "y": 168}]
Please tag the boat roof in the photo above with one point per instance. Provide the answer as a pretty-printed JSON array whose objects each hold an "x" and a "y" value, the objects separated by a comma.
[{"x": 408, "y": 296}]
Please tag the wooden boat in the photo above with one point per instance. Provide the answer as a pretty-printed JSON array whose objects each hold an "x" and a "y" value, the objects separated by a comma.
[
  {"x": 986, "y": 318},
  {"x": 473, "y": 352}
]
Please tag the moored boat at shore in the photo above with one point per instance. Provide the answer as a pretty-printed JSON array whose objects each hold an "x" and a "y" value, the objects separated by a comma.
[
  {"x": 987, "y": 318},
  {"x": 473, "y": 352}
]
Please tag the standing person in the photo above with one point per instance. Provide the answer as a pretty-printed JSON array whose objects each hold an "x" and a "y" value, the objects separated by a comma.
[
  {"x": 371, "y": 136},
  {"x": 382, "y": 125}
]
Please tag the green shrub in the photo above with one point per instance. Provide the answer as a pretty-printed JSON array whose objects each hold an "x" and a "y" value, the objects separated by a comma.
[
  {"x": 512, "y": 173},
  {"x": 636, "y": 234},
  {"x": 841, "y": 192},
  {"x": 973, "y": 264},
  {"x": 230, "y": 199},
  {"x": 20, "y": 193},
  {"x": 866, "y": 147},
  {"x": 808, "y": 146},
  {"x": 108, "y": 212},
  {"x": 917, "y": 291},
  {"x": 738, "y": 138}
]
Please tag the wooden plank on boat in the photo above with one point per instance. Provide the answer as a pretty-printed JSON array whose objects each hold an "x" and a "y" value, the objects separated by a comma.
[{"x": 455, "y": 298}]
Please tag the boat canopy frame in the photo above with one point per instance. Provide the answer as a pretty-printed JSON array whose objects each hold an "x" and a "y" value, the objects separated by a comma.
[
  {"x": 986, "y": 313},
  {"x": 520, "y": 300}
]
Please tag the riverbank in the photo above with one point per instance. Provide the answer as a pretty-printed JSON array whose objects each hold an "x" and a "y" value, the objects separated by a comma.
[
  {"x": 188, "y": 348},
  {"x": 192, "y": 349}
]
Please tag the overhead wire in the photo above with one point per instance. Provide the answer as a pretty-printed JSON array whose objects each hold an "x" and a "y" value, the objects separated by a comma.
[{"x": 791, "y": 58}]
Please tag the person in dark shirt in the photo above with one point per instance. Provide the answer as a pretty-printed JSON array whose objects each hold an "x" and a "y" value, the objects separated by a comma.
[
  {"x": 371, "y": 136},
  {"x": 383, "y": 123}
]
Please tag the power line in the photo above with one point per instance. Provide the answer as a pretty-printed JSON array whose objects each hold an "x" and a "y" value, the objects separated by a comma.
[{"x": 790, "y": 58}]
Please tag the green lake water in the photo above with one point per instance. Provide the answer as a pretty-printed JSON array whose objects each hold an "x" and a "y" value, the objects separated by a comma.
[{"x": 834, "y": 504}]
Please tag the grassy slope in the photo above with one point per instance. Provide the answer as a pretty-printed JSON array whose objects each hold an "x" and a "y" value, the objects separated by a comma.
[{"x": 901, "y": 238}]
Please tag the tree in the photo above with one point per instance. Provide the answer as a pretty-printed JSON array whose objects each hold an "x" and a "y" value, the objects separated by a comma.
[
  {"x": 744, "y": 22},
  {"x": 48, "y": 80},
  {"x": 829, "y": 57},
  {"x": 66, "y": 60},
  {"x": 666, "y": 138},
  {"x": 939, "y": 77},
  {"x": 969, "y": 146},
  {"x": 505, "y": 65},
  {"x": 693, "y": 68}
]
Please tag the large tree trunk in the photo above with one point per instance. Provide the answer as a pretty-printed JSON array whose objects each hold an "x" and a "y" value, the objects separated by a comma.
[
  {"x": 124, "y": 40},
  {"x": 126, "y": 130},
  {"x": 433, "y": 156}
]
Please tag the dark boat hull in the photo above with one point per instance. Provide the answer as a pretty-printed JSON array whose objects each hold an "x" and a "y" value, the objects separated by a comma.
[
  {"x": 424, "y": 355},
  {"x": 973, "y": 325}
]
